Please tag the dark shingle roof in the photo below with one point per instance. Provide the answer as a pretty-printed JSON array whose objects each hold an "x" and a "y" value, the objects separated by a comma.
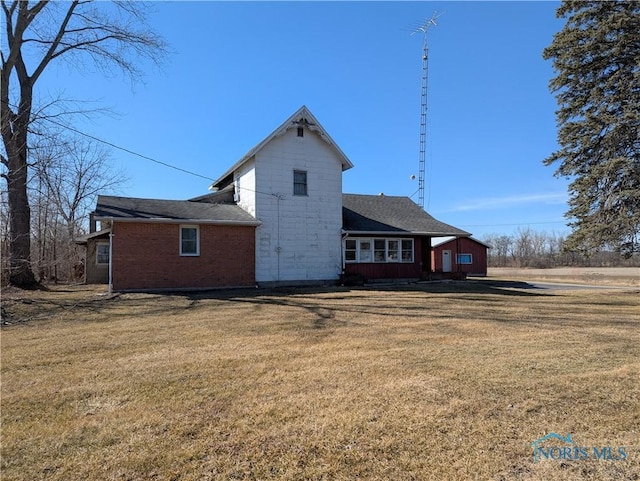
[
  {"x": 391, "y": 215},
  {"x": 176, "y": 210},
  {"x": 83, "y": 239}
]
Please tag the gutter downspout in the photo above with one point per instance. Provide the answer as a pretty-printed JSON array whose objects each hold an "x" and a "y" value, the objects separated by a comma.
[
  {"x": 342, "y": 248},
  {"x": 111, "y": 261},
  {"x": 278, "y": 197}
]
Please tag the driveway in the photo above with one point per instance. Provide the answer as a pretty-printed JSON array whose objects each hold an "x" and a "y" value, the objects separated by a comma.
[
  {"x": 561, "y": 286},
  {"x": 547, "y": 286}
]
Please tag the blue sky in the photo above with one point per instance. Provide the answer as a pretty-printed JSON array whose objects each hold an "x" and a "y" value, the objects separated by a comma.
[{"x": 239, "y": 69}]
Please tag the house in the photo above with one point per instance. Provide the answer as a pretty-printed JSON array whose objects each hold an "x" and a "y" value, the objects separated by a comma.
[
  {"x": 276, "y": 216},
  {"x": 459, "y": 255}
]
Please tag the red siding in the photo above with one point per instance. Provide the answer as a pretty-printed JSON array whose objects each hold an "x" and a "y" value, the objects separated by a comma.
[
  {"x": 147, "y": 256},
  {"x": 390, "y": 270},
  {"x": 463, "y": 245}
]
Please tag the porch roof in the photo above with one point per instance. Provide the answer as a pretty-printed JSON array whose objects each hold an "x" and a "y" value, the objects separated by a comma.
[{"x": 381, "y": 214}]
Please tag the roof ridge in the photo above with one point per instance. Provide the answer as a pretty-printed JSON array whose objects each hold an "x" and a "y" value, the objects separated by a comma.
[
  {"x": 281, "y": 129},
  {"x": 381, "y": 196}
]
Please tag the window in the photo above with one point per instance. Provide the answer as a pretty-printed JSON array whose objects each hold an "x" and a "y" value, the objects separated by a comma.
[
  {"x": 365, "y": 251},
  {"x": 102, "y": 253},
  {"x": 189, "y": 241},
  {"x": 407, "y": 250},
  {"x": 300, "y": 132},
  {"x": 392, "y": 250},
  {"x": 378, "y": 250},
  {"x": 299, "y": 182},
  {"x": 351, "y": 250},
  {"x": 464, "y": 259}
]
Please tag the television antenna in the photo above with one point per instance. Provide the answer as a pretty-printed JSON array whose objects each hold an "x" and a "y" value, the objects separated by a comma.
[{"x": 424, "y": 28}]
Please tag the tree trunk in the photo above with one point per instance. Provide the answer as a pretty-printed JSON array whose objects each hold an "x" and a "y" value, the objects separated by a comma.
[
  {"x": 19, "y": 221},
  {"x": 14, "y": 133}
]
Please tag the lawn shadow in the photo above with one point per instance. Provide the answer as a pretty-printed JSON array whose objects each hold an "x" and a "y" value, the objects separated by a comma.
[
  {"x": 476, "y": 286},
  {"x": 484, "y": 286},
  {"x": 329, "y": 306},
  {"x": 361, "y": 300}
]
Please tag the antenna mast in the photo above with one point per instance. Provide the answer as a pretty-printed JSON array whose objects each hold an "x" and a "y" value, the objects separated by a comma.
[{"x": 423, "y": 103}]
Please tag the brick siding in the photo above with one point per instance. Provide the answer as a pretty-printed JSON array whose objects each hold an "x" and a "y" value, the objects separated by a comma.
[{"x": 147, "y": 256}]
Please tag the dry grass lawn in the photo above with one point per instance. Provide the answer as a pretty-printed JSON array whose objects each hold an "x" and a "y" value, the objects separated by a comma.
[
  {"x": 450, "y": 381},
  {"x": 616, "y": 276}
]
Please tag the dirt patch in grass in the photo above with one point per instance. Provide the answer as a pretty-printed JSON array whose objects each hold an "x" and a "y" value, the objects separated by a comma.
[{"x": 441, "y": 381}]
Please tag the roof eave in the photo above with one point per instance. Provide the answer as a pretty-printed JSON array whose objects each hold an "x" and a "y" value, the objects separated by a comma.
[
  {"x": 404, "y": 232},
  {"x": 83, "y": 239},
  {"x": 172, "y": 220}
]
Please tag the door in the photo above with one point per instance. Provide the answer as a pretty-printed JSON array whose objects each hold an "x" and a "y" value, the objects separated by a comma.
[{"x": 446, "y": 261}]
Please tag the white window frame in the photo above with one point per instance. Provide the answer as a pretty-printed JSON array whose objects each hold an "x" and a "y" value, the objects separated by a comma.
[
  {"x": 98, "y": 245},
  {"x": 367, "y": 256},
  {"x": 403, "y": 250},
  {"x": 464, "y": 263},
  {"x": 197, "y": 252},
  {"x": 349, "y": 249},
  {"x": 361, "y": 251}
]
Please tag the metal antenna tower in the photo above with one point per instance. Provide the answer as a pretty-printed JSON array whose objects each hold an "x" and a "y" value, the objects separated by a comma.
[{"x": 431, "y": 22}]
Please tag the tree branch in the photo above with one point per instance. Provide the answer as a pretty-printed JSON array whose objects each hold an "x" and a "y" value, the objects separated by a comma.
[{"x": 56, "y": 41}]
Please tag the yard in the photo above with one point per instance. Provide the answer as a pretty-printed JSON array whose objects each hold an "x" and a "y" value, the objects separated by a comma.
[{"x": 449, "y": 381}]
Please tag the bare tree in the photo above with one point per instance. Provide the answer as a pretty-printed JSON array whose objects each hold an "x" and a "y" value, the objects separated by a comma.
[
  {"x": 75, "y": 176},
  {"x": 107, "y": 36},
  {"x": 501, "y": 246},
  {"x": 67, "y": 179},
  {"x": 4, "y": 238}
]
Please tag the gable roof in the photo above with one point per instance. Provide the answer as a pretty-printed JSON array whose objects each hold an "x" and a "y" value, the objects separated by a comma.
[
  {"x": 439, "y": 242},
  {"x": 381, "y": 214},
  {"x": 302, "y": 116},
  {"x": 159, "y": 210}
]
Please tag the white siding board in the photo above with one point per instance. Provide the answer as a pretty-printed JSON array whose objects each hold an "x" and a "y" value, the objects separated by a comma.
[
  {"x": 245, "y": 182},
  {"x": 307, "y": 229}
]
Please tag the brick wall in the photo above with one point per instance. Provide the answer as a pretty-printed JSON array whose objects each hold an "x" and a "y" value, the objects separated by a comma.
[{"x": 147, "y": 256}]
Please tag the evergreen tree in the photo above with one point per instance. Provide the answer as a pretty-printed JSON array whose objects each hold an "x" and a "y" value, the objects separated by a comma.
[{"x": 596, "y": 58}]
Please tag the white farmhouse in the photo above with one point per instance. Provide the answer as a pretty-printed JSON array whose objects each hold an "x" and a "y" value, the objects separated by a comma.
[
  {"x": 292, "y": 183},
  {"x": 277, "y": 216}
]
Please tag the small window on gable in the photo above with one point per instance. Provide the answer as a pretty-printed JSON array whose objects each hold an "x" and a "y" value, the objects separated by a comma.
[
  {"x": 102, "y": 253},
  {"x": 300, "y": 131},
  {"x": 189, "y": 241},
  {"x": 299, "y": 182}
]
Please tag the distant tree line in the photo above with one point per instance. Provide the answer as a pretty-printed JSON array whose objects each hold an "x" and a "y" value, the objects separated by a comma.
[{"x": 531, "y": 248}]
